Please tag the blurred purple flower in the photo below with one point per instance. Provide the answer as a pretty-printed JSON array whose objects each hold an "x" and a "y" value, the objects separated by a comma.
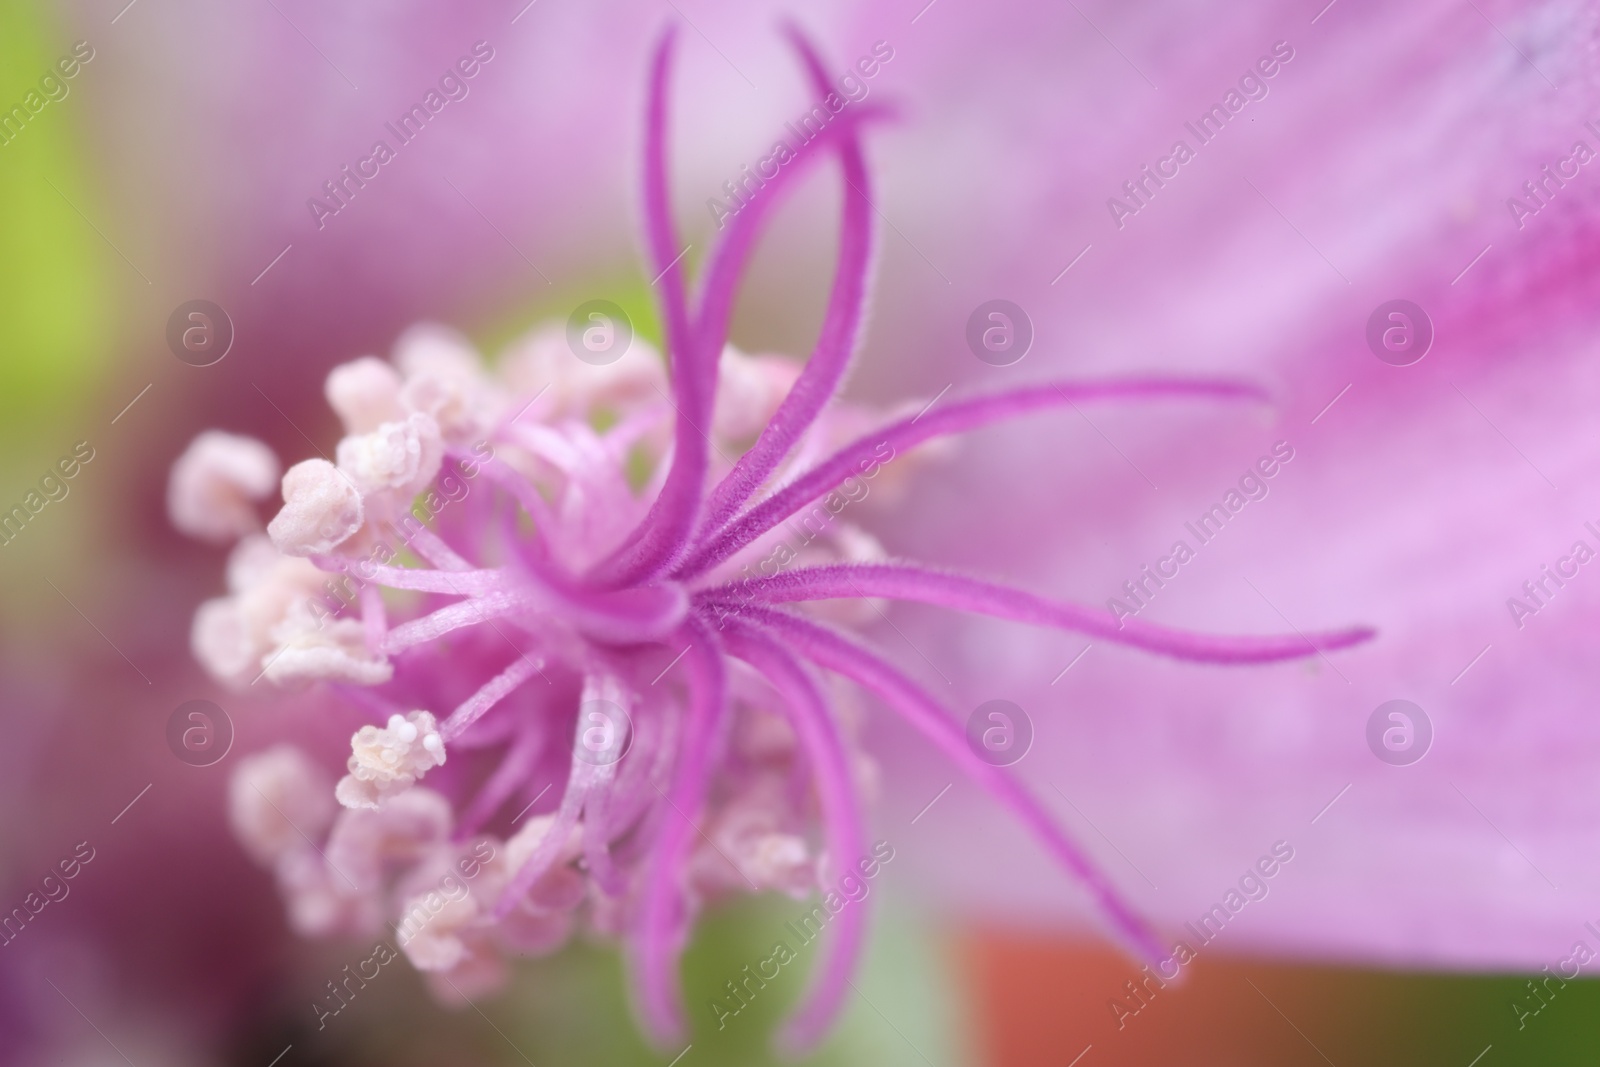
[
  {"x": 1378, "y": 164},
  {"x": 602, "y": 582}
]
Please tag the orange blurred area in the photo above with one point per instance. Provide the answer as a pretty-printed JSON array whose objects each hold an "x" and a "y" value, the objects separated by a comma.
[{"x": 1046, "y": 1000}]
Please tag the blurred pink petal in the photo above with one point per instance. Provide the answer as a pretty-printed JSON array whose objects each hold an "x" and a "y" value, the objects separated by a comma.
[{"x": 1432, "y": 492}]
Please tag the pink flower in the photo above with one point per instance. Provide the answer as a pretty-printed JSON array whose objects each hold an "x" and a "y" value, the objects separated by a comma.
[{"x": 601, "y": 599}]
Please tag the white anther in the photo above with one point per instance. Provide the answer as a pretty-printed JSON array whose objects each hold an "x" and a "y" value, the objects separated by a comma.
[
  {"x": 389, "y": 760},
  {"x": 403, "y": 456},
  {"x": 214, "y": 486},
  {"x": 321, "y": 508}
]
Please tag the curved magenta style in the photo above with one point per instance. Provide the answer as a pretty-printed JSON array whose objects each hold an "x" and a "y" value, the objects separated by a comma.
[{"x": 546, "y": 632}]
